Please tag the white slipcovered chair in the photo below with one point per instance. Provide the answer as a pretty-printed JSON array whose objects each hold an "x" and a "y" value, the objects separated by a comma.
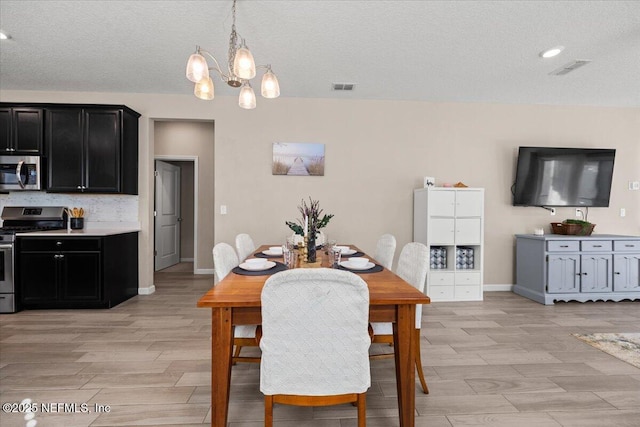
[
  {"x": 244, "y": 246},
  {"x": 315, "y": 342},
  {"x": 385, "y": 250},
  {"x": 224, "y": 260},
  {"x": 412, "y": 268}
]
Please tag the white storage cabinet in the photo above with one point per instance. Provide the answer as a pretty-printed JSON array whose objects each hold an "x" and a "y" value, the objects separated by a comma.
[{"x": 450, "y": 222}]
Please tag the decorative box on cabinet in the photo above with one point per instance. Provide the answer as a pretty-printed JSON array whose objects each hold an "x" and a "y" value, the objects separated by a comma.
[
  {"x": 452, "y": 219},
  {"x": 21, "y": 130},
  {"x": 77, "y": 272},
  {"x": 579, "y": 268}
]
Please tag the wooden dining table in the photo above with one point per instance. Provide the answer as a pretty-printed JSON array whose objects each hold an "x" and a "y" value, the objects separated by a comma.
[{"x": 236, "y": 301}]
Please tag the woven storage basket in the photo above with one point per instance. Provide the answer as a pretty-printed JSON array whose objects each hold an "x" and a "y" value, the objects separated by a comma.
[{"x": 571, "y": 229}]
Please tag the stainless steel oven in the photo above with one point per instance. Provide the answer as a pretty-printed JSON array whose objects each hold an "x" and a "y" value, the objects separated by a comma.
[
  {"x": 7, "y": 294},
  {"x": 19, "y": 173},
  {"x": 15, "y": 220}
]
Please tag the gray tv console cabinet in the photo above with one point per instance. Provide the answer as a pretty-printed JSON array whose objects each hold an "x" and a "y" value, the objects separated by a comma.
[{"x": 577, "y": 268}]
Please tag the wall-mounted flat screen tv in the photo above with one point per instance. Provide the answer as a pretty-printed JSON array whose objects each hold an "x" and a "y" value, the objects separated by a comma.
[{"x": 556, "y": 177}]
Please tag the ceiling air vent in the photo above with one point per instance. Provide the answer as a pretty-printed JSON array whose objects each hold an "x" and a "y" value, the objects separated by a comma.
[
  {"x": 343, "y": 86},
  {"x": 567, "y": 68}
]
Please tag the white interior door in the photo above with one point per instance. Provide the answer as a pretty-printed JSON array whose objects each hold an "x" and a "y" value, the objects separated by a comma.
[{"x": 167, "y": 215}]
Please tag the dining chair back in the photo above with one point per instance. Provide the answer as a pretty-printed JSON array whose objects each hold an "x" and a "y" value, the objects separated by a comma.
[
  {"x": 224, "y": 260},
  {"x": 315, "y": 342},
  {"x": 413, "y": 263},
  {"x": 244, "y": 246},
  {"x": 385, "y": 250}
]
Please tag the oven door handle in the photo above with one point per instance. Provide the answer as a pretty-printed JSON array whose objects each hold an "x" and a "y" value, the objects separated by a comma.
[
  {"x": 18, "y": 169},
  {"x": 6, "y": 246}
]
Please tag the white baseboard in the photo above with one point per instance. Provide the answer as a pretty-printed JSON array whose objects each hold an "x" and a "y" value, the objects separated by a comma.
[
  {"x": 204, "y": 271},
  {"x": 186, "y": 259},
  {"x": 497, "y": 288},
  {"x": 147, "y": 291}
]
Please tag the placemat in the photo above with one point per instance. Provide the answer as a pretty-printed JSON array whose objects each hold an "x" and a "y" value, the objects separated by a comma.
[
  {"x": 275, "y": 269},
  {"x": 261, "y": 255},
  {"x": 357, "y": 254},
  {"x": 375, "y": 269}
]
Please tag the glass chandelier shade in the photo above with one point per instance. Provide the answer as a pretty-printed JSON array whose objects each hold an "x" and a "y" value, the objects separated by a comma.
[
  {"x": 247, "y": 97},
  {"x": 204, "y": 89},
  {"x": 270, "y": 87},
  {"x": 243, "y": 65},
  {"x": 197, "y": 67},
  {"x": 238, "y": 72}
]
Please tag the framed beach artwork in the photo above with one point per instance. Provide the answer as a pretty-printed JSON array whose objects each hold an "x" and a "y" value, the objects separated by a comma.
[{"x": 298, "y": 159}]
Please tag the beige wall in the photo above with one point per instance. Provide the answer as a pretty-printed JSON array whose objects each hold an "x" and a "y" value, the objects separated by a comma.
[
  {"x": 193, "y": 138},
  {"x": 376, "y": 153}
]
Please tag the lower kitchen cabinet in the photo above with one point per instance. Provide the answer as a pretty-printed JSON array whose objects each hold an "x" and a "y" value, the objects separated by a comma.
[{"x": 77, "y": 272}]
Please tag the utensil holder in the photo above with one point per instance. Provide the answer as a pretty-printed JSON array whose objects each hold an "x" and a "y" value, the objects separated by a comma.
[{"x": 76, "y": 223}]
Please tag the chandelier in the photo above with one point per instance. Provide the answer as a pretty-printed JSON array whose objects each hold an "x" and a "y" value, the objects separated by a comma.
[{"x": 241, "y": 68}]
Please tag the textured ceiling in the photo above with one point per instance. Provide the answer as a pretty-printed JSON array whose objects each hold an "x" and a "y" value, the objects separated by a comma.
[{"x": 483, "y": 51}]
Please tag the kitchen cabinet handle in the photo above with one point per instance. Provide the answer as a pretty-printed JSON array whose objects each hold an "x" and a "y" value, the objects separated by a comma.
[
  {"x": 629, "y": 246},
  {"x": 584, "y": 274},
  {"x": 79, "y": 187},
  {"x": 617, "y": 272},
  {"x": 58, "y": 243},
  {"x": 597, "y": 246},
  {"x": 564, "y": 246}
]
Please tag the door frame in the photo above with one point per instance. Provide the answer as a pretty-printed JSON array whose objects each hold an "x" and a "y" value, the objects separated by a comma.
[{"x": 180, "y": 158}]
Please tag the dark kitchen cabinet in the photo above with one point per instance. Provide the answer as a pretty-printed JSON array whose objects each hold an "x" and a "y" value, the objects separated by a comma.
[
  {"x": 21, "y": 131},
  {"x": 77, "y": 272},
  {"x": 92, "y": 149}
]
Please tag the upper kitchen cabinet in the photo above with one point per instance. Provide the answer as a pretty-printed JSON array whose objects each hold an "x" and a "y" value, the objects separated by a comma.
[
  {"x": 21, "y": 130},
  {"x": 92, "y": 149}
]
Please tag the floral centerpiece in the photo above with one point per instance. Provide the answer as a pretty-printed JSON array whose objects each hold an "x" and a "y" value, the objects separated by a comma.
[{"x": 312, "y": 221}]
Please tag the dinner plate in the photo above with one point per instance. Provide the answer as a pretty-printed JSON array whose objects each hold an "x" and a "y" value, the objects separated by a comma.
[
  {"x": 268, "y": 252},
  {"x": 345, "y": 250},
  {"x": 267, "y": 265},
  {"x": 350, "y": 266}
]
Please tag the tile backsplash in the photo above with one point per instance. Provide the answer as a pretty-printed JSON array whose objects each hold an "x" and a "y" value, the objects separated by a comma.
[{"x": 99, "y": 208}]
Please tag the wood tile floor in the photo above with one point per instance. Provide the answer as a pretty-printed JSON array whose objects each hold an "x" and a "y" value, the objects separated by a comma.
[{"x": 506, "y": 361}]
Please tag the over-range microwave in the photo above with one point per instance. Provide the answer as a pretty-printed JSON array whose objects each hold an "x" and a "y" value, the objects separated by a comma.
[{"x": 18, "y": 173}]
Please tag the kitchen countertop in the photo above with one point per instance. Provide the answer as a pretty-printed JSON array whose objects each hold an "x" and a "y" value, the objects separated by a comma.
[{"x": 91, "y": 232}]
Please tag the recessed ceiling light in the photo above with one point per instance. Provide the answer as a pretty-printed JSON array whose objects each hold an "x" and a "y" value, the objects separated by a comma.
[
  {"x": 4, "y": 36},
  {"x": 550, "y": 53}
]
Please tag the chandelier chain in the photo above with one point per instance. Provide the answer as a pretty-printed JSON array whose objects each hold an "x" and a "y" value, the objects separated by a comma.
[{"x": 233, "y": 40}]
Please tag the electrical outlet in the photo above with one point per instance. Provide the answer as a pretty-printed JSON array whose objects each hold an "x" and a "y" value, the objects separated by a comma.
[
  {"x": 553, "y": 211},
  {"x": 623, "y": 212},
  {"x": 634, "y": 185},
  {"x": 223, "y": 209},
  {"x": 579, "y": 213}
]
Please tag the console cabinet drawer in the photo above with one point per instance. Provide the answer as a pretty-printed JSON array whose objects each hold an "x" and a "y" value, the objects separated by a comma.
[
  {"x": 596, "y": 245},
  {"x": 626, "y": 245},
  {"x": 563, "y": 245}
]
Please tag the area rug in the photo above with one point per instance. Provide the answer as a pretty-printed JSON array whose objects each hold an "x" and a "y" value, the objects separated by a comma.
[{"x": 624, "y": 346}]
